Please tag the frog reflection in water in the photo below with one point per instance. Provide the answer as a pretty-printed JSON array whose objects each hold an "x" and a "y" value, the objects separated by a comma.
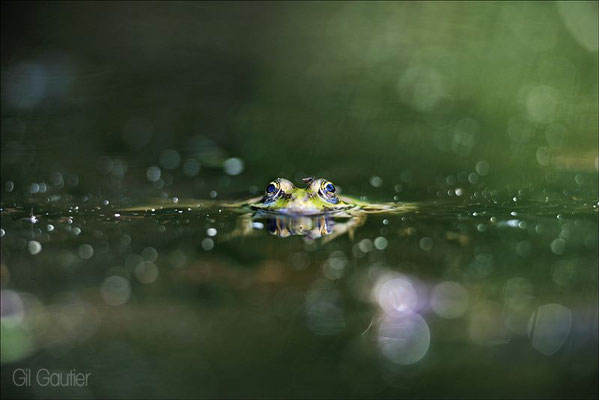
[{"x": 316, "y": 211}]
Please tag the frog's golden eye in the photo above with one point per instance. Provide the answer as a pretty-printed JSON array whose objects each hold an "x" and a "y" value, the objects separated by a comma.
[
  {"x": 272, "y": 188},
  {"x": 327, "y": 190}
]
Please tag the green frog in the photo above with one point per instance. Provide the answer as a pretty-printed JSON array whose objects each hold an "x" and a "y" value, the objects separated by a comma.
[
  {"x": 315, "y": 211},
  {"x": 318, "y": 197}
]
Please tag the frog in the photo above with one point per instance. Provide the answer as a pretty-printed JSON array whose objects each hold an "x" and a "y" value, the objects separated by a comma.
[{"x": 316, "y": 211}]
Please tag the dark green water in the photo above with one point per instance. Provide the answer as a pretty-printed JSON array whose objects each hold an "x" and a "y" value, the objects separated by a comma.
[{"x": 486, "y": 120}]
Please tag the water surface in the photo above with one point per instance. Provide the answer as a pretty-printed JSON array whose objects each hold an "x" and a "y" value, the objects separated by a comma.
[{"x": 468, "y": 295}]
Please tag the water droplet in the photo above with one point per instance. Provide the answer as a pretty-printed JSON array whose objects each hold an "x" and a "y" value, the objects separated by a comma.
[
  {"x": 404, "y": 341},
  {"x": 544, "y": 156},
  {"x": 153, "y": 173},
  {"x": 86, "y": 251},
  {"x": 334, "y": 267},
  {"x": 115, "y": 290},
  {"x": 380, "y": 243},
  {"x": 558, "y": 246},
  {"x": 207, "y": 244},
  {"x": 473, "y": 178},
  {"x": 233, "y": 166},
  {"x": 549, "y": 328},
  {"x": 365, "y": 245},
  {"x": 170, "y": 159},
  {"x": 396, "y": 296},
  {"x": 376, "y": 181},
  {"x": 149, "y": 254},
  {"x": 482, "y": 168},
  {"x": 34, "y": 247},
  {"x": 146, "y": 272},
  {"x": 191, "y": 167}
]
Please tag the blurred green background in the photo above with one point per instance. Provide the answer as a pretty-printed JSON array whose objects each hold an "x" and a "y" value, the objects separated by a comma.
[{"x": 343, "y": 90}]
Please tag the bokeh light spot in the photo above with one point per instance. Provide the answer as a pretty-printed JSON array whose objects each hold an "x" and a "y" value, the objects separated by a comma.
[
  {"x": 549, "y": 328},
  {"x": 404, "y": 341},
  {"x": 449, "y": 300}
]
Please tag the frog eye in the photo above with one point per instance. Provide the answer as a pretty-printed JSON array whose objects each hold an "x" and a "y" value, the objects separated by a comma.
[
  {"x": 272, "y": 188},
  {"x": 327, "y": 190}
]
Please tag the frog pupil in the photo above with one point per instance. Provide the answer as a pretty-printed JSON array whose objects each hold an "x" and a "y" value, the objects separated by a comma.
[
  {"x": 330, "y": 188},
  {"x": 271, "y": 188}
]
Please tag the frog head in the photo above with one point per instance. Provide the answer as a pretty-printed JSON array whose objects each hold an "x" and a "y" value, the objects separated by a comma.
[{"x": 318, "y": 197}]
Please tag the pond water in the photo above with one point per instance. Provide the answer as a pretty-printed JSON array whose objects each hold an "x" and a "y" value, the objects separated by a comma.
[
  {"x": 473, "y": 296},
  {"x": 486, "y": 288}
]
